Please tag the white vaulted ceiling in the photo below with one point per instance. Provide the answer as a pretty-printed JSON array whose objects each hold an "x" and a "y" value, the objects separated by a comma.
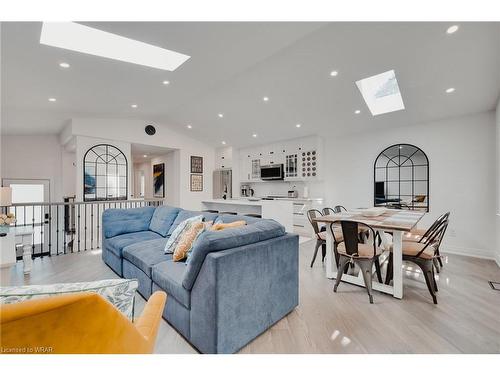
[{"x": 234, "y": 65}]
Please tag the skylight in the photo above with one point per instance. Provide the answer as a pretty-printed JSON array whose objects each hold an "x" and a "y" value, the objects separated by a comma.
[
  {"x": 381, "y": 93},
  {"x": 81, "y": 38}
]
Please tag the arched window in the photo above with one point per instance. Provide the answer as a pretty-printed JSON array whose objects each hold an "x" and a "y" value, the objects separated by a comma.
[
  {"x": 104, "y": 174},
  {"x": 401, "y": 178}
]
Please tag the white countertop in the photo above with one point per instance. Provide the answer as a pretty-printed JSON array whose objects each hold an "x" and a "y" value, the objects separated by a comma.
[{"x": 238, "y": 202}]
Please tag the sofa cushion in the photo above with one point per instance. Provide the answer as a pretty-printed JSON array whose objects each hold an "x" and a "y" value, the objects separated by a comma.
[
  {"x": 226, "y": 219},
  {"x": 163, "y": 218},
  {"x": 120, "y": 221},
  {"x": 185, "y": 214},
  {"x": 178, "y": 231},
  {"x": 210, "y": 241},
  {"x": 168, "y": 275},
  {"x": 118, "y": 243},
  {"x": 144, "y": 255}
]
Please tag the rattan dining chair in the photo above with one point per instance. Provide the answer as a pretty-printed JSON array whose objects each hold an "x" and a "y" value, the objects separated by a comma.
[
  {"x": 353, "y": 250},
  {"x": 423, "y": 254}
]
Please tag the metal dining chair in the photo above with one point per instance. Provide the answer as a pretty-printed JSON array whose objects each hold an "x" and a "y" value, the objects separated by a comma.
[
  {"x": 353, "y": 251},
  {"x": 421, "y": 234},
  {"x": 335, "y": 210},
  {"x": 423, "y": 254},
  {"x": 320, "y": 235}
]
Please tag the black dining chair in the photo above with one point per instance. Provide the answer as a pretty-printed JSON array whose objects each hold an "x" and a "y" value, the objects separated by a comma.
[
  {"x": 319, "y": 234},
  {"x": 354, "y": 251},
  {"x": 335, "y": 210},
  {"x": 421, "y": 234},
  {"x": 423, "y": 254}
]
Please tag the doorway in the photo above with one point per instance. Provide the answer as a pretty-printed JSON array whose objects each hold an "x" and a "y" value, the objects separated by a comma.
[{"x": 30, "y": 204}]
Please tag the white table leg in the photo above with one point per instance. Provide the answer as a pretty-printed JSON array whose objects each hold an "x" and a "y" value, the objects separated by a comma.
[
  {"x": 397, "y": 256},
  {"x": 27, "y": 258}
]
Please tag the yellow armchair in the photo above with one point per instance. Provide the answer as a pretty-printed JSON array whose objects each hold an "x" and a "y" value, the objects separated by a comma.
[{"x": 81, "y": 323}]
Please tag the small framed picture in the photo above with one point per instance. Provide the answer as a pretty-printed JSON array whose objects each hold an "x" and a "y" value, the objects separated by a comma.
[
  {"x": 196, "y": 164},
  {"x": 196, "y": 182}
]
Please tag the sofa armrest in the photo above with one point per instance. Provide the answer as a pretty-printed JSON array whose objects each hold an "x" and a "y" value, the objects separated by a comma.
[
  {"x": 241, "y": 292},
  {"x": 150, "y": 319}
]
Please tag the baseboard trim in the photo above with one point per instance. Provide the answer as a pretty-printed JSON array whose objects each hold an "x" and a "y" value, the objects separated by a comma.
[{"x": 468, "y": 252}]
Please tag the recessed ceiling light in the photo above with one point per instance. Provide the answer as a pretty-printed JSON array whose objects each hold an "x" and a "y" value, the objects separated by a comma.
[
  {"x": 64, "y": 65},
  {"x": 223, "y": 142},
  {"x": 298, "y": 125},
  {"x": 265, "y": 98},
  {"x": 81, "y": 38},
  {"x": 334, "y": 73},
  {"x": 254, "y": 135},
  {"x": 357, "y": 111},
  {"x": 221, "y": 115},
  {"x": 133, "y": 105},
  {"x": 450, "y": 90},
  {"x": 381, "y": 93},
  {"x": 189, "y": 126},
  {"x": 145, "y": 156},
  {"x": 452, "y": 29},
  {"x": 52, "y": 99},
  {"x": 166, "y": 82}
]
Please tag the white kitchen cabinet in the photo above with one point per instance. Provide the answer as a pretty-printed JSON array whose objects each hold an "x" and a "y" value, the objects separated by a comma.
[
  {"x": 224, "y": 158},
  {"x": 252, "y": 158}
]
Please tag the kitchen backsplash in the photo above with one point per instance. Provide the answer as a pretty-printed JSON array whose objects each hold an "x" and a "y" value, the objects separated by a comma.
[{"x": 263, "y": 189}]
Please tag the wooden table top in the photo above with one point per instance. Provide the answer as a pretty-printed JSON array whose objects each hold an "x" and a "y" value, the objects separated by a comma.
[{"x": 402, "y": 220}]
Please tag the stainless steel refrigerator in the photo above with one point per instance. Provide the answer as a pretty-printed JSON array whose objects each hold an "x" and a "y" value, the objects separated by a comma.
[{"x": 222, "y": 184}]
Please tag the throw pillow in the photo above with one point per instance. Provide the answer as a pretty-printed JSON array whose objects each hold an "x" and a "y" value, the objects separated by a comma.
[
  {"x": 186, "y": 241},
  {"x": 234, "y": 224},
  {"x": 175, "y": 236},
  {"x": 120, "y": 292}
]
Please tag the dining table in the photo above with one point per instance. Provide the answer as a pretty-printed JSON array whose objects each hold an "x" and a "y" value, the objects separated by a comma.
[{"x": 390, "y": 223}]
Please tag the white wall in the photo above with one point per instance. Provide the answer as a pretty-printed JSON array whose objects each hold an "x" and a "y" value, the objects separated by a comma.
[
  {"x": 35, "y": 157},
  {"x": 132, "y": 131},
  {"x": 498, "y": 182},
  {"x": 461, "y": 154}
]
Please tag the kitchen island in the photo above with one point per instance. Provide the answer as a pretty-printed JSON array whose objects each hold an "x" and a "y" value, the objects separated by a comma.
[{"x": 279, "y": 210}]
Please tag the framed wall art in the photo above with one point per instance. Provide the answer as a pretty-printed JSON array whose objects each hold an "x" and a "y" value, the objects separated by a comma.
[
  {"x": 196, "y": 182},
  {"x": 196, "y": 164},
  {"x": 159, "y": 180}
]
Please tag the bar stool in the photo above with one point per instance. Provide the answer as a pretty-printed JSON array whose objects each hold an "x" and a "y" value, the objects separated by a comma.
[
  {"x": 211, "y": 211},
  {"x": 259, "y": 216},
  {"x": 228, "y": 213}
]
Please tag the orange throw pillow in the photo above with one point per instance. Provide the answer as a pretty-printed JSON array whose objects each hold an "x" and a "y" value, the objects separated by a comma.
[
  {"x": 234, "y": 224},
  {"x": 186, "y": 242}
]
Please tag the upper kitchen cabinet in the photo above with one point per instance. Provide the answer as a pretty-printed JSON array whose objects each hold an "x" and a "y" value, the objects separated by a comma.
[
  {"x": 300, "y": 158},
  {"x": 224, "y": 158}
]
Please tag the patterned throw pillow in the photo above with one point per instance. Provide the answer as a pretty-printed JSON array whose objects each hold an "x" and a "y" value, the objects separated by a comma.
[
  {"x": 120, "y": 292},
  {"x": 186, "y": 241},
  {"x": 234, "y": 224},
  {"x": 176, "y": 234}
]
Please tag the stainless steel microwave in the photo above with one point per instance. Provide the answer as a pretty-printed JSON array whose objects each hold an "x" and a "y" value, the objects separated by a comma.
[{"x": 271, "y": 172}]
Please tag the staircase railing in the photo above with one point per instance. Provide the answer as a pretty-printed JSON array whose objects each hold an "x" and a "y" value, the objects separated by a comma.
[{"x": 68, "y": 227}]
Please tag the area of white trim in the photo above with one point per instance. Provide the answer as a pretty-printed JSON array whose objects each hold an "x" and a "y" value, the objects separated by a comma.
[
  {"x": 81, "y": 38},
  {"x": 469, "y": 252}
]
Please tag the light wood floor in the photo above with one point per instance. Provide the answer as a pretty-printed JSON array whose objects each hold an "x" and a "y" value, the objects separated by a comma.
[{"x": 466, "y": 320}]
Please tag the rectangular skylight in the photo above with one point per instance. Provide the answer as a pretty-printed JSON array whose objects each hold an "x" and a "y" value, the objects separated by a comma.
[
  {"x": 381, "y": 93},
  {"x": 81, "y": 38}
]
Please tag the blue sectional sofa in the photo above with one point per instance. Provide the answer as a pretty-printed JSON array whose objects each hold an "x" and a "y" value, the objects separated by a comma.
[{"x": 237, "y": 283}]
